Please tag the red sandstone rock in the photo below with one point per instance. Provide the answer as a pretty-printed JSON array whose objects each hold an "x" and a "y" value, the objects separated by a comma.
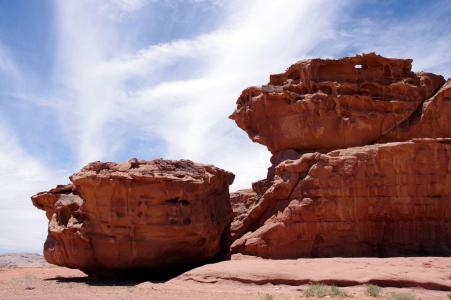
[
  {"x": 261, "y": 186},
  {"x": 432, "y": 119},
  {"x": 46, "y": 200},
  {"x": 242, "y": 202},
  {"x": 384, "y": 199},
  {"x": 425, "y": 272},
  {"x": 379, "y": 200},
  {"x": 137, "y": 215},
  {"x": 330, "y": 104}
]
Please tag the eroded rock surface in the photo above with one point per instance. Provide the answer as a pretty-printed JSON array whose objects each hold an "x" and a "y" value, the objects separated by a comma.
[
  {"x": 324, "y": 104},
  {"x": 137, "y": 215},
  {"x": 385, "y": 200},
  {"x": 360, "y": 161},
  {"x": 432, "y": 119},
  {"x": 242, "y": 201},
  {"x": 425, "y": 272}
]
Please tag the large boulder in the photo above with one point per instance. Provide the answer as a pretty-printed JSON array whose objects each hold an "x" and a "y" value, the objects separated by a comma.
[
  {"x": 140, "y": 214},
  {"x": 379, "y": 200}
]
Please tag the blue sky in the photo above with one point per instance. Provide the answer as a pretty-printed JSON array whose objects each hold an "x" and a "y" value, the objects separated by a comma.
[{"x": 84, "y": 80}]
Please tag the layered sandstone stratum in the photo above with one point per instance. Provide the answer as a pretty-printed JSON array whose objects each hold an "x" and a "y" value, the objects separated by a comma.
[
  {"x": 384, "y": 200},
  {"x": 360, "y": 166}
]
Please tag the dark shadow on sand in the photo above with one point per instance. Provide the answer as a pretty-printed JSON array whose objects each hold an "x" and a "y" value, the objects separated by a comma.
[
  {"x": 127, "y": 277},
  {"x": 123, "y": 278}
]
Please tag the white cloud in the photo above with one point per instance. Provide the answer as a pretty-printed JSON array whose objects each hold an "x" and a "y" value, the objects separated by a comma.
[
  {"x": 22, "y": 228},
  {"x": 117, "y": 10},
  {"x": 421, "y": 37},
  {"x": 129, "y": 5},
  {"x": 189, "y": 114}
]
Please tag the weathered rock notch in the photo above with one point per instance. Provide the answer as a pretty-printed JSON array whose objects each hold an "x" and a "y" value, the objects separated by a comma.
[
  {"x": 361, "y": 161},
  {"x": 140, "y": 214}
]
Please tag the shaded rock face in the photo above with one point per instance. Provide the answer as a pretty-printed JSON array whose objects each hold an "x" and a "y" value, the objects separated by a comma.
[
  {"x": 137, "y": 215},
  {"x": 361, "y": 162},
  {"x": 241, "y": 201},
  {"x": 431, "y": 119}
]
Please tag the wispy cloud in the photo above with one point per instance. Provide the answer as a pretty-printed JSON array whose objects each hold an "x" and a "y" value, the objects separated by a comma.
[
  {"x": 22, "y": 228},
  {"x": 190, "y": 113},
  {"x": 129, "y": 5},
  {"x": 422, "y": 35},
  {"x": 119, "y": 9}
]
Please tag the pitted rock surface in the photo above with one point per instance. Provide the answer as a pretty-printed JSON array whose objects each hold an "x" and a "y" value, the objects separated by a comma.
[
  {"x": 432, "y": 119},
  {"x": 389, "y": 199},
  {"x": 360, "y": 161},
  {"x": 326, "y": 104},
  {"x": 137, "y": 215}
]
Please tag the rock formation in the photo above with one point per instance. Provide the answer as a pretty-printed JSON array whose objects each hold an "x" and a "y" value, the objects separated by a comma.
[
  {"x": 137, "y": 215},
  {"x": 385, "y": 200},
  {"x": 360, "y": 166},
  {"x": 330, "y": 104},
  {"x": 381, "y": 194}
]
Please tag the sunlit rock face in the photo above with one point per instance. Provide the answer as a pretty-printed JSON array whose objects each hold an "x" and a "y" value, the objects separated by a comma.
[
  {"x": 137, "y": 215},
  {"x": 361, "y": 162},
  {"x": 386, "y": 200},
  {"x": 322, "y": 104}
]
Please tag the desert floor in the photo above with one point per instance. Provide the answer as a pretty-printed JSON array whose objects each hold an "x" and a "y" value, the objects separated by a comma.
[{"x": 241, "y": 278}]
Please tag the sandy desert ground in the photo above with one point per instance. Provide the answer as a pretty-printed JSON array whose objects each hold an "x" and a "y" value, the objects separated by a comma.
[{"x": 29, "y": 277}]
